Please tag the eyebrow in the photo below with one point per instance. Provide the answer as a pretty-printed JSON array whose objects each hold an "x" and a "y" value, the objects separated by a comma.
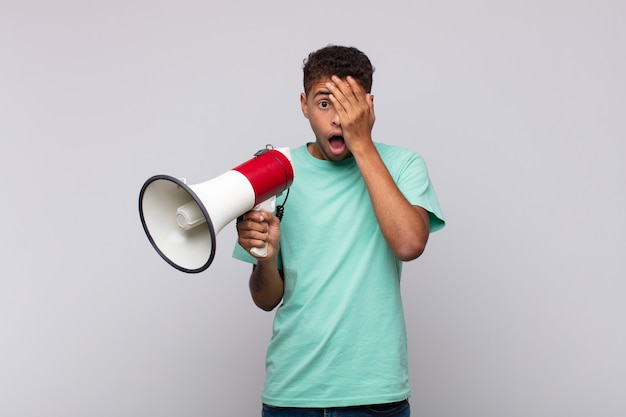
[{"x": 321, "y": 93}]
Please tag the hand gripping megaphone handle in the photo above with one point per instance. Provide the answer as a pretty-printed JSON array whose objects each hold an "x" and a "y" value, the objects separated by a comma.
[{"x": 268, "y": 205}]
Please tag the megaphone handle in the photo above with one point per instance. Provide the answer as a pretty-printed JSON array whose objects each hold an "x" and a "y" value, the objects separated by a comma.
[{"x": 268, "y": 205}]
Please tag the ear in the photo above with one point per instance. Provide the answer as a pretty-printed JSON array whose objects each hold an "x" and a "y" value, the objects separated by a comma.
[{"x": 305, "y": 107}]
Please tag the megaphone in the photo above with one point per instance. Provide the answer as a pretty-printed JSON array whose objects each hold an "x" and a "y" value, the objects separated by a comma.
[{"x": 182, "y": 221}]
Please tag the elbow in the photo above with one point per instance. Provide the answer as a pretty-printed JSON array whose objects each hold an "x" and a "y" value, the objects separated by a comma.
[
  {"x": 410, "y": 250},
  {"x": 265, "y": 306},
  {"x": 409, "y": 253},
  {"x": 408, "y": 243},
  {"x": 265, "y": 301}
]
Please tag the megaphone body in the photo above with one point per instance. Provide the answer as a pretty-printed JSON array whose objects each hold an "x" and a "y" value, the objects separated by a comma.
[{"x": 182, "y": 221}]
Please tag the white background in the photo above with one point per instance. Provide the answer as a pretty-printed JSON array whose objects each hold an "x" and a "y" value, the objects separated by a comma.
[{"x": 517, "y": 308}]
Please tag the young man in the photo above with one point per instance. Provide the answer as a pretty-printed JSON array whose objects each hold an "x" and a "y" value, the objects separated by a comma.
[{"x": 356, "y": 210}]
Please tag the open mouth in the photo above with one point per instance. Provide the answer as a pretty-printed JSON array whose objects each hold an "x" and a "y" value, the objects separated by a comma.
[{"x": 337, "y": 143}]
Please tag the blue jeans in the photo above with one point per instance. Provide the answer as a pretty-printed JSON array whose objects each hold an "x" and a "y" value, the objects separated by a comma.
[{"x": 399, "y": 409}]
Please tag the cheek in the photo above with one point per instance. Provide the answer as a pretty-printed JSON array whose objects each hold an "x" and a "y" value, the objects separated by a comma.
[{"x": 316, "y": 121}]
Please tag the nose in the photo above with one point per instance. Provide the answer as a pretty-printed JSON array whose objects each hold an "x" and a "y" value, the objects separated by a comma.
[{"x": 335, "y": 121}]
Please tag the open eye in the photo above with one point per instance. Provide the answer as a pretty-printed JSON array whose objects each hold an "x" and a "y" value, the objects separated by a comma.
[{"x": 324, "y": 104}]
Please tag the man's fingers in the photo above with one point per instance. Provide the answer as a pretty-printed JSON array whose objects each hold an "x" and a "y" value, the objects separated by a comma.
[
  {"x": 342, "y": 95},
  {"x": 337, "y": 96},
  {"x": 255, "y": 221},
  {"x": 350, "y": 88}
]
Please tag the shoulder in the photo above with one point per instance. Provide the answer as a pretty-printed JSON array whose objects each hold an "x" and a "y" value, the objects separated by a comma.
[
  {"x": 386, "y": 150},
  {"x": 398, "y": 157}
]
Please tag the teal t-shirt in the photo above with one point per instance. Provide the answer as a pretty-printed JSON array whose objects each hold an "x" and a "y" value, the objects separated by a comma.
[{"x": 339, "y": 336}]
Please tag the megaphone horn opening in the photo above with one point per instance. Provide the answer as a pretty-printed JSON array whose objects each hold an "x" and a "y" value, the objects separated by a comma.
[{"x": 177, "y": 223}]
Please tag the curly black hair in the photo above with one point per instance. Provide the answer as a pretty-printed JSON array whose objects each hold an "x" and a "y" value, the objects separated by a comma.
[{"x": 340, "y": 61}]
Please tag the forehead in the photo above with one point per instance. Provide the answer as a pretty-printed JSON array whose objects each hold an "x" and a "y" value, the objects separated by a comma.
[{"x": 318, "y": 87}]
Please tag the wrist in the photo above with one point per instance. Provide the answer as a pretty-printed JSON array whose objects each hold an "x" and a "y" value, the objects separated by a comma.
[
  {"x": 363, "y": 148},
  {"x": 267, "y": 262}
]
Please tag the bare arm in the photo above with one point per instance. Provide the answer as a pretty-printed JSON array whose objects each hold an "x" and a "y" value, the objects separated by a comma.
[
  {"x": 266, "y": 280},
  {"x": 266, "y": 286},
  {"x": 404, "y": 226}
]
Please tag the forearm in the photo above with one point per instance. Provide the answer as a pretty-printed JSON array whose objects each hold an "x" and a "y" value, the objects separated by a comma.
[
  {"x": 404, "y": 226},
  {"x": 266, "y": 284}
]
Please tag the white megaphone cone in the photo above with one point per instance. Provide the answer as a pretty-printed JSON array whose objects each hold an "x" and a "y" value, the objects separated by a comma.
[{"x": 182, "y": 221}]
